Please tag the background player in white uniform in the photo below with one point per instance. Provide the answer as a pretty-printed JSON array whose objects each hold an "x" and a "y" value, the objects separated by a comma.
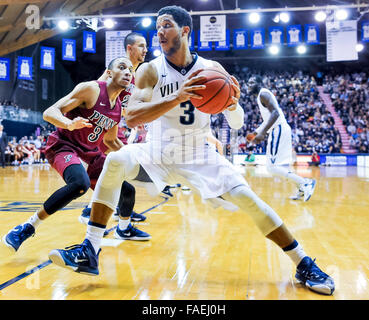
[
  {"x": 177, "y": 150},
  {"x": 279, "y": 147}
]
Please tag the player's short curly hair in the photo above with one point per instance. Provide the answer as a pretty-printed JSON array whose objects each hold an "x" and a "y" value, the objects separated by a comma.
[{"x": 179, "y": 14}]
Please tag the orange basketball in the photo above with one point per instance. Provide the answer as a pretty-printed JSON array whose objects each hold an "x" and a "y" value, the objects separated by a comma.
[
  {"x": 250, "y": 136},
  {"x": 217, "y": 95}
]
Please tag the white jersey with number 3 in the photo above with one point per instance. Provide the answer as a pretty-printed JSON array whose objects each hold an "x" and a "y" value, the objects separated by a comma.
[{"x": 184, "y": 124}]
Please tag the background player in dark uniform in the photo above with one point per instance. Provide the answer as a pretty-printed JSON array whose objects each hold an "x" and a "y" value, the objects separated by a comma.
[{"x": 84, "y": 118}]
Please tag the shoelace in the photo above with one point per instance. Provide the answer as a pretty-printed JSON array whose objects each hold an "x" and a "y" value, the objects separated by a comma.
[
  {"x": 313, "y": 272},
  {"x": 23, "y": 233}
]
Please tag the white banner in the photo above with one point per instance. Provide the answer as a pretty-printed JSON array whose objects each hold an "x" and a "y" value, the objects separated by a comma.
[
  {"x": 212, "y": 28},
  {"x": 114, "y": 45},
  {"x": 341, "y": 40}
]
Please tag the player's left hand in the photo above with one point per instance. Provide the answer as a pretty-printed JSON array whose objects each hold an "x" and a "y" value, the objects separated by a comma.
[{"x": 237, "y": 93}]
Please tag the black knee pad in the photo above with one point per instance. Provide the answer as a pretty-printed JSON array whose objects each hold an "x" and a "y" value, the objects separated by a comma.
[
  {"x": 77, "y": 184},
  {"x": 128, "y": 190}
]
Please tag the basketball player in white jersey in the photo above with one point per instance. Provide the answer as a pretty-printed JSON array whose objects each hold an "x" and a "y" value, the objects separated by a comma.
[
  {"x": 279, "y": 147},
  {"x": 177, "y": 151}
]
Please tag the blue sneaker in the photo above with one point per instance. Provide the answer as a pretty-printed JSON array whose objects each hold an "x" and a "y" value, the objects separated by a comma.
[
  {"x": 84, "y": 218},
  {"x": 137, "y": 217},
  {"x": 80, "y": 258},
  {"x": 167, "y": 192},
  {"x": 131, "y": 233},
  {"x": 309, "y": 274},
  {"x": 15, "y": 237}
]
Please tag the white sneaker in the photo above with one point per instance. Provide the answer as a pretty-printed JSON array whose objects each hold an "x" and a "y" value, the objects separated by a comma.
[{"x": 308, "y": 189}]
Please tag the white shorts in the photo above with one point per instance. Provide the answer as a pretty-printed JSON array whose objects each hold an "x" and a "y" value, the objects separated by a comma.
[
  {"x": 279, "y": 148},
  {"x": 202, "y": 169}
]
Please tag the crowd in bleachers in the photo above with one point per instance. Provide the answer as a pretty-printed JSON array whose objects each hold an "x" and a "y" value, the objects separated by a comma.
[
  {"x": 9, "y": 110},
  {"x": 350, "y": 96}
]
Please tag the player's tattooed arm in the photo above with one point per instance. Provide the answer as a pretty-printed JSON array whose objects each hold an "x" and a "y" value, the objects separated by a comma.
[{"x": 83, "y": 95}]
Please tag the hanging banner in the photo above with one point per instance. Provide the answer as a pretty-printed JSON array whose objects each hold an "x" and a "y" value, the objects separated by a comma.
[
  {"x": 25, "y": 68},
  {"x": 312, "y": 34},
  {"x": 294, "y": 36},
  {"x": 341, "y": 40},
  {"x": 4, "y": 69},
  {"x": 154, "y": 40},
  {"x": 114, "y": 45},
  {"x": 239, "y": 39},
  {"x": 276, "y": 35},
  {"x": 365, "y": 31},
  {"x": 257, "y": 38},
  {"x": 47, "y": 57},
  {"x": 203, "y": 45},
  {"x": 213, "y": 28},
  {"x": 89, "y": 41},
  {"x": 69, "y": 50},
  {"x": 223, "y": 45}
]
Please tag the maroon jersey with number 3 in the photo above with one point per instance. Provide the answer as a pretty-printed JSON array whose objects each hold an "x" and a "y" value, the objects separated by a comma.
[
  {"x": 102, "y": 117},
  {"x": 65, "y": 148}
]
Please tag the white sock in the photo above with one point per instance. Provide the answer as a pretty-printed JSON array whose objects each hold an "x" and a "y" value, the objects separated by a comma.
[
  {"x": 95, "y": 234},
  {"x": 295, "y": 252},
  {"x": 34, "y": 220},
  {"x": 90, "y": 205},
  {"x": 123, "y": 223}
]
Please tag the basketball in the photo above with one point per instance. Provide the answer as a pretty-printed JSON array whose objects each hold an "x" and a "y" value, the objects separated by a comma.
[{"x": 218, "y": 92}]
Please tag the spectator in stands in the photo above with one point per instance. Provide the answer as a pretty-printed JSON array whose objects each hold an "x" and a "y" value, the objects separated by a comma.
[
  {"x": 18, "y": 153},
  {"x": 9, "y": 154},
  {"x": 3, "y": 145},
  {"x": 250, "y": 158},
  {"x": 315, "y": 159}
]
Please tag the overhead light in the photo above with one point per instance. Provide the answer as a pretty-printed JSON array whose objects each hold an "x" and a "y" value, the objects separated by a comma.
[
  {"x": 274, "y": 50},
  {"x": 63, "y": 25},
  {"x": 301, "y": 49},
  {"x": 341, "y": 14},
  {"x": 284, "y": 16},
  {"x": 359, "y": 47},
  {"x": 146, "y": 22},
  {"x": 109, "y": 23},
  {"x": 320, "y": 16},
  {"x": 276, "y": 18},
  {"x": 254, "y": 17},
  {"x": 157, "y": 52}
]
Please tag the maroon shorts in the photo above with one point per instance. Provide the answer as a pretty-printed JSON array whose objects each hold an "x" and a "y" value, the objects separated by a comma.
[{"x": 62, "y": 154}]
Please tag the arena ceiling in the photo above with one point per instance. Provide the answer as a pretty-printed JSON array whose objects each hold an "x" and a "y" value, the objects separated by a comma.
[{"x": 14, "y": 34}]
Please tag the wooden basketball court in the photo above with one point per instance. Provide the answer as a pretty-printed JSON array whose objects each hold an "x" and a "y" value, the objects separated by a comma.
[{"x": 195, "y": 252}]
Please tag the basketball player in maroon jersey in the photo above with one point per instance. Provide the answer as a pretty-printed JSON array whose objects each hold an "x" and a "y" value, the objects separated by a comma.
[
  {"x": 84, "y": 118},
  {"x": 136, "y": 49}
]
